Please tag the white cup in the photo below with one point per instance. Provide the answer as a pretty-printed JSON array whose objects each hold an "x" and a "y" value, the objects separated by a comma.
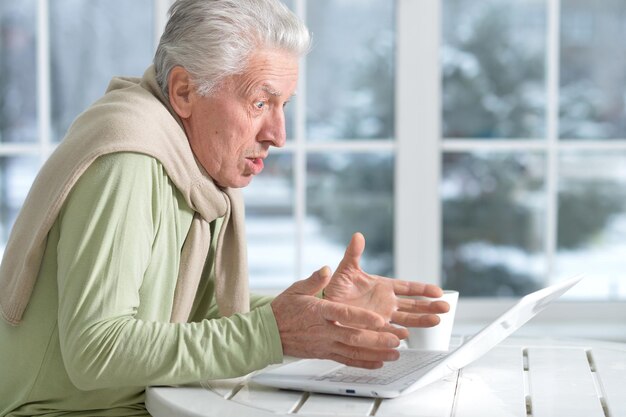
[{"x": 437, "y": 337}]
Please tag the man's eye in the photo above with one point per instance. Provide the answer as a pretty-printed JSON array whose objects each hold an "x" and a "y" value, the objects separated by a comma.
[{"x": 259, "y": 104}]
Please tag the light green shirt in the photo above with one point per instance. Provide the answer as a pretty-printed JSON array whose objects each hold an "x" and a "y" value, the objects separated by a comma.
[{"x": 96, "y": 330}]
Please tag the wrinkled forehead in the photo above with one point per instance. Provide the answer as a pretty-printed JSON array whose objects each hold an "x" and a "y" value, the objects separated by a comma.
[{"x": 272, "y": 72}]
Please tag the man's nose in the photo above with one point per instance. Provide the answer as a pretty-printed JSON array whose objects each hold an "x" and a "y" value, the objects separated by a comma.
[{"x": 273, "y": 129}]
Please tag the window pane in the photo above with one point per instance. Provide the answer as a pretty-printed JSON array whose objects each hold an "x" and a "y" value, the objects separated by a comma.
[
  {"x": 18, "y": 71},
  {"x": 493, "y": 223},
  {"x": 270, "y": 224},
  {"x": 91, "y": 42},
  {"x": 593, "y": 69},
  {"x": 493, "y": 63},
  {"x": 350, "y": 70},
  {"x": 347, "y": 193},
  {"x": 592, "y": 222},
  {"x": 16, "y": 176}
]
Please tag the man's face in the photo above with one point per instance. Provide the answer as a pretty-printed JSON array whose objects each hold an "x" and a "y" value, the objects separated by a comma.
[{"x": 231, "y": 130}]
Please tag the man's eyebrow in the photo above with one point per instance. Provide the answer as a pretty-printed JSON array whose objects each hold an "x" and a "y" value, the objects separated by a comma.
[
  {"x": 270, "y": 90},
  {"x": 276, "y": 93}
]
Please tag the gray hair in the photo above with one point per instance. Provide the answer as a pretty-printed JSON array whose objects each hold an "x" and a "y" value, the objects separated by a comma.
[{"x": 213, "y": 39}]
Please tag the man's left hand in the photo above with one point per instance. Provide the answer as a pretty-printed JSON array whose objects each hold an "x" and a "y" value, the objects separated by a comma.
[{"x": 351, "y": 285}]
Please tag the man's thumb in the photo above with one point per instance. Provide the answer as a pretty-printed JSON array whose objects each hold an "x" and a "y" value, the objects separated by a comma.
[{"x": 313, "y": 284}]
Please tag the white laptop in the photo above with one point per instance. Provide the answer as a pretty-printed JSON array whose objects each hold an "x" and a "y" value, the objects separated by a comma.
[{"x": 414, "y": 369}]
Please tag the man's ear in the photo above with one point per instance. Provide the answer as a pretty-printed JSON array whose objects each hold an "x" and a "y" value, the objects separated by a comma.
[{"x": 181, "y": 91}]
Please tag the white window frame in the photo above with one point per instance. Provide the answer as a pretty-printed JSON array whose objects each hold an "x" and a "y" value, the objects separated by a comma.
[{"x": 418, "y": 175}]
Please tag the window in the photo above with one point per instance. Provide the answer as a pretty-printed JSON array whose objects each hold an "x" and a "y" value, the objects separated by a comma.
[
  {"x": 502, "y": 126},
  {"x": 335, "y": 176},
  {"x": 90, "y": 42},
  {"x": 523, "y": 149},
  {"x": 57, "y": 57},
  {"x": 18, "y": 108},
  {"x": 493, "y": 202},
  {"x": 523, "y": 199}
]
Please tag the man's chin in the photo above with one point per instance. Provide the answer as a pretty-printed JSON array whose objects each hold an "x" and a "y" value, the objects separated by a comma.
[
  {"x": 246, "y": 180},
  {"x": 240, "y": 182}
]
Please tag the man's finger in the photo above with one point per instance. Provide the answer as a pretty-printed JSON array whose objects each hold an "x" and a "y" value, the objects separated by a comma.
[
  {"x": 412, "y": 305},
  {"x": 413, "y": 288},
  {"x": 415, "y": 320},
  {"x": 352, "y": 255},
  {"x": 361, "y": 338},
  {"x": 351, "y": 316},
  {"x": 400, "y": 332},
  {"x": 365, "y": 354},
  {"x": 312, "y": 285},
  {"x": 355, "y": 362}
]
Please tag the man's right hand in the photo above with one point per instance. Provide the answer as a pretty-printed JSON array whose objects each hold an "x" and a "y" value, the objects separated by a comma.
[{"x": 313, "y": 328}]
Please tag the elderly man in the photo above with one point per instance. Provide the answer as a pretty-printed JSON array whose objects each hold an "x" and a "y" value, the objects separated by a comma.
[{"x": 127, "y": 264}]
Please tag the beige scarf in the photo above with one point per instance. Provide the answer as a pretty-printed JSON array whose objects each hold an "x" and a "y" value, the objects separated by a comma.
[{"x": 133, "y": 116}]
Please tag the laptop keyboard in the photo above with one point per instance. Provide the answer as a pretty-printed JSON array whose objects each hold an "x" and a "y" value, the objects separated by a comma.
[{"x": 409, "y": 361}]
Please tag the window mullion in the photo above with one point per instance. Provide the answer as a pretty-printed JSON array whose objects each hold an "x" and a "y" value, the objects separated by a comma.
[
  {"x": 43, "y": 80},
  {"x": 552, "y": 134},
  {"x": 300, "y": 156},
  {"x": 417, "y": 245},
  {"x": 160, "y": 19}
]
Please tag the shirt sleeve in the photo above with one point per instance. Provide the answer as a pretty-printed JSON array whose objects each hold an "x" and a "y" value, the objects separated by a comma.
[
  {"x": 257, "y": 300},
  {"x": 107, "y": 230}
]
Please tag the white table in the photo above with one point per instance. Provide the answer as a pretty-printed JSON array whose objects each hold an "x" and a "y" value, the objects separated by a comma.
[{"x": 521, "y": 377}]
